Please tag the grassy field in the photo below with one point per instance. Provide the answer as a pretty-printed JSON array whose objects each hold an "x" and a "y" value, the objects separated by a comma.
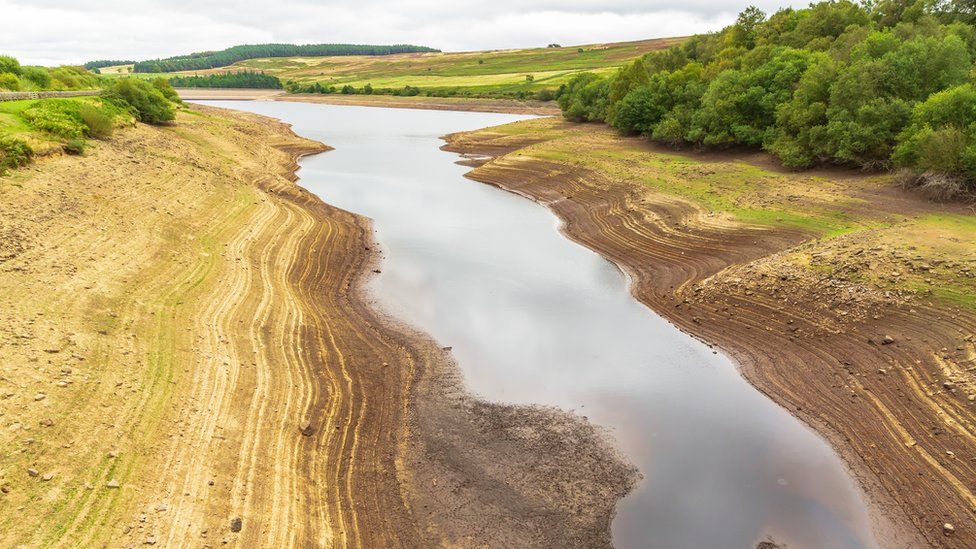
[{"x": 498, "y": 72}]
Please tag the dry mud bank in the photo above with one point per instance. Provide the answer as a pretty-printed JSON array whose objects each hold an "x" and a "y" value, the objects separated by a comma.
[
  {"x": 188, "y": 359},
  {"x": 848, "y": 302}
]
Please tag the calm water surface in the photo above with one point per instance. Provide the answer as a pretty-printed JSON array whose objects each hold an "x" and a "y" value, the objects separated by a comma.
[{"x": 535, "y": 318}]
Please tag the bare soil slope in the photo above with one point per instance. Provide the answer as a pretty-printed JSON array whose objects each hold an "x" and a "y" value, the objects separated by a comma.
[{"x": 187, "y": 359}]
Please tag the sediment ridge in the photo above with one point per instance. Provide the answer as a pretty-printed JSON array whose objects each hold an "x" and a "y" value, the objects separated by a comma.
[{"x": 191, "y": 359}]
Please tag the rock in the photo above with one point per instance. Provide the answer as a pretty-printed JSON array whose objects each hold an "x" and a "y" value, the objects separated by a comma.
[
  {"x": 948, "y": 529},
  {"x": 39, "y": 397},
  {"x": 32, "y": 472},
  {"x": 888, "y": 340},
  {"x": 236, "y": 524},
  {"x": 47, "y": 477},
  {"x": 47, "y": 423},
  {"x": 112, "y": 483},
  {"x": 948, "y": 384},
  {"x": 882, "y": 371},
  {"x": 306, "y": 428}
]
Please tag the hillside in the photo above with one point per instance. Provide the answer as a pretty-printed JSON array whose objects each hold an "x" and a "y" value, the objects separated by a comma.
[{"x": 500, "y": 73}]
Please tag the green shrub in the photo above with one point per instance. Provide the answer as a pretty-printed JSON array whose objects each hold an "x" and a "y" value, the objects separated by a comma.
[
  {"x": 166, "y": 89},
  {"x": 72, "y": 119},
  {"x": 59, "y": 117},
  {"x": 100, "y": 123},
  {"x": 13, "y": 153},
  {"x": 75, "y": 146},
  {"x": 38, "y": 76},
  {"x": 146, "y": 103},
  {"x": 73, "y": 78},
  {"x": 9, "y": 81},
  {"x": 9, "y": 64}
]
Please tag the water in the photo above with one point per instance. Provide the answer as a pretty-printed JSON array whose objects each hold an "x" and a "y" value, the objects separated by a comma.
[{"x": 535, "y": 318}]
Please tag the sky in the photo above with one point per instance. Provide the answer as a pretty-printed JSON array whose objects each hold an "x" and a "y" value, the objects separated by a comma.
[{"x": 52, "y": 32}]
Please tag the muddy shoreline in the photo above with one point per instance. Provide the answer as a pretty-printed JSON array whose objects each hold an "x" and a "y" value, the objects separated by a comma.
[{"x": 789, "y": 351}]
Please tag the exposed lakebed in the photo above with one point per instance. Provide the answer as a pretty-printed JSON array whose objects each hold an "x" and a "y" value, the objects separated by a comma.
[{"x": 536, "y": 319}]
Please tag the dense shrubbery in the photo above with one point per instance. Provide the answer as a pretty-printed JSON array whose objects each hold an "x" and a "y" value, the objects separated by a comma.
[
  {"x": 147, "y": 101},
  {"x": 880, "y": 86},
  {"x": 14, "y": 77},
  {"x": 73, "y": 119},
  {"x": 223, "y": 58},
  {"x": 13, "y": 153},
  {"x": 243, "y": 79}
]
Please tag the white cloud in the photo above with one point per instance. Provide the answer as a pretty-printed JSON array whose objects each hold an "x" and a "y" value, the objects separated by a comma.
[{"x": 71, "y": 31}]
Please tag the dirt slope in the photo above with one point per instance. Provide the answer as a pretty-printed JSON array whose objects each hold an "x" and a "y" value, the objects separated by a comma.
[
  {"x": 885, "y": 374},
  {"x": 187, "y": 359}
]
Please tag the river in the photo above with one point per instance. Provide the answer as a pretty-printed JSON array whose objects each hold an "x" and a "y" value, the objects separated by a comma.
[{"x": 534, "y": 318}]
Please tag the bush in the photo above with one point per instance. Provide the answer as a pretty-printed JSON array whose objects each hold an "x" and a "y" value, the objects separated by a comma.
[
  {"x": 13, "y": 153},
  {"x": 38, "y": 76},
  {"x": 73, "y": 78},
  {"x": 59, "y": 117},
  {"x": 100, "y": 124},
  {"x": 146, "y": 103},
  {"x": 166, "y": 89},
  {"x": 72, "y": 119},
  {"x": 74, "y": 146},
  {"x": 9, "y": 81},
  {"x": 9, "y": 64}
]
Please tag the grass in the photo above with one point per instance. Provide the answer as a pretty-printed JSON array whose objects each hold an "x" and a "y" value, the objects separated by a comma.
[
  {"x": 480, "y": 73},
  {"x": 45, "y": 125}
]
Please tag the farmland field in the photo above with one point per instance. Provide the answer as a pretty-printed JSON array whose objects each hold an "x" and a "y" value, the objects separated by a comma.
[{"x": 495, "y": 72}]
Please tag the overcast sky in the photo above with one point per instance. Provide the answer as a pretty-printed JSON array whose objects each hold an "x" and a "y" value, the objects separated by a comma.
[{"x": 71, "y": 31}]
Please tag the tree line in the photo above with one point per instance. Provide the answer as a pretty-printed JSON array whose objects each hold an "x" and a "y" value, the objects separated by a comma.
[
  {"x": 102, "y": 63},
  {"x": 229, "y": 56},
  {"x": 875, "y": 85},
  {"x": 240, "y": 79}
]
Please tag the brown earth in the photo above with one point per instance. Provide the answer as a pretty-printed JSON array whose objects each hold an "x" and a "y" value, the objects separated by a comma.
[
  {"x": 187, "y": 358},
  {"x": 886, "y": 375}
]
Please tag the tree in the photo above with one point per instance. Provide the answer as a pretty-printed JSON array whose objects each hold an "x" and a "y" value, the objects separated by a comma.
[
  {"x": 9, "y": 65},
  {"x": 743, "y": 33}
]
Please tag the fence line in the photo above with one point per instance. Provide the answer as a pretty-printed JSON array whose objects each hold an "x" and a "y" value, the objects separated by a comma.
[{"x": 18, "y": 96}]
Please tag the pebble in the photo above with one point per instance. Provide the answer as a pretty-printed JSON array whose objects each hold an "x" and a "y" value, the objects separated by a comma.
[
  {"x": 112, "y": 484},
  {"x": 39, "y": 397},
  {"x": 47, "y": 477},
  {"x": 236, "y": 524},
  {"x": 888, "y": 340},
  {"x": 32, "y": 472},
  {"x": 948, "y": 529}
]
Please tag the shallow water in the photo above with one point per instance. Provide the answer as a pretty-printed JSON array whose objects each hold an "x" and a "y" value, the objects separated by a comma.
[{"x": 535, "y": 318}]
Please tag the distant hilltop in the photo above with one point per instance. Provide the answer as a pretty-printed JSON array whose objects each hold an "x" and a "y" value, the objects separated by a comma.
[{"x": 215, "y": 59}]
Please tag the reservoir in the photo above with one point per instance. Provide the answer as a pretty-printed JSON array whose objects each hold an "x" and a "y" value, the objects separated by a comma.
[{"x": 534, "y": 318}]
